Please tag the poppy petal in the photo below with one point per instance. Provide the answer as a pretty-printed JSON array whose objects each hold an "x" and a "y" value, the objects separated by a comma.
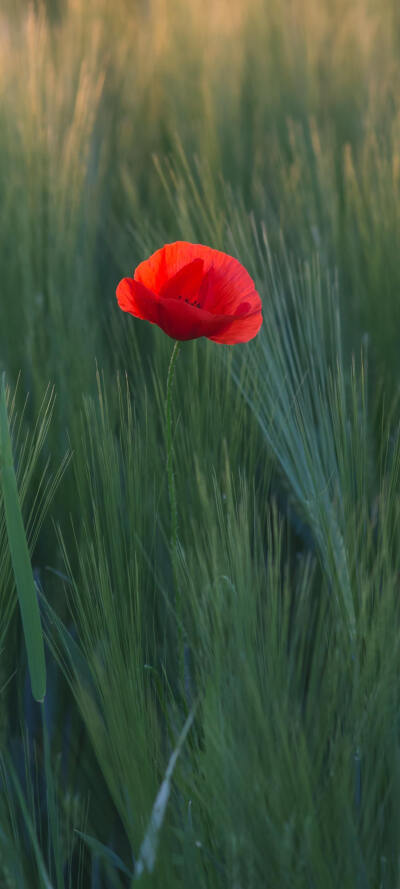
[
  {"x": 191, "y": 290},
  {"x": 166, "y": 262},
  {"x": 239, "y": 330},
  {"x": 136, "y": 299},
  {"x": 179, "y": 319},
  {"x": 186, "y": 283},
  {"x": 182, "y": 321},
  {"x": 226, "y": 283},
  {"x": 229, "y": 285}
]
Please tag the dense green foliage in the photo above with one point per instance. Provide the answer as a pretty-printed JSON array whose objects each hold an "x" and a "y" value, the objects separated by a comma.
[{"x": 270, "y": 130}]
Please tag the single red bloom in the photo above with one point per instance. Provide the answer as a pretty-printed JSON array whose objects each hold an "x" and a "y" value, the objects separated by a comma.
[{"x": 190, "y": 290}]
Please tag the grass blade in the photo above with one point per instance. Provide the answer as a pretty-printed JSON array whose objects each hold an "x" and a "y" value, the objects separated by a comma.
[
  {"x": 147, "y": 855},
  {"x": 104, "y": 852}
]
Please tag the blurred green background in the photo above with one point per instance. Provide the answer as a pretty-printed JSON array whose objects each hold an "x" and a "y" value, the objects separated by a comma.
[{"x": 269, "y": 130}]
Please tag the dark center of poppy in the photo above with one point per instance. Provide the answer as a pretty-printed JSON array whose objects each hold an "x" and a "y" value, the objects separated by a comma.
[{"x": 191, "y": 302}]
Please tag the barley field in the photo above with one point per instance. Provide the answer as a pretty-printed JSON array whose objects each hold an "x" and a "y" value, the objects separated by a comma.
[{"x": 219, "y": 707}]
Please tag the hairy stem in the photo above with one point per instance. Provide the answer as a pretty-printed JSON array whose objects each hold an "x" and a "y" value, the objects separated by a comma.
[{"x": 173, "y": 507}]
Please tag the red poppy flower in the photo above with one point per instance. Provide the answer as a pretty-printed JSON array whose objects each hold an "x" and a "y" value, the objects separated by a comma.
[{"x": 190, "y": 290}]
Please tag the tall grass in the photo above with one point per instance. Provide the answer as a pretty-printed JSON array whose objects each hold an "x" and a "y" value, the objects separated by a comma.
[{"x": 269, "y": 130}]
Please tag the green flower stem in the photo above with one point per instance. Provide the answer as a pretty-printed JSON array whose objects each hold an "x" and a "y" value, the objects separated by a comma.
[{"x": 173, "y": 507}]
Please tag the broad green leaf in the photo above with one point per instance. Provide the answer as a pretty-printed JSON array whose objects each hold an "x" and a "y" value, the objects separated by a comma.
[{"x": 20, "y": 558}]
